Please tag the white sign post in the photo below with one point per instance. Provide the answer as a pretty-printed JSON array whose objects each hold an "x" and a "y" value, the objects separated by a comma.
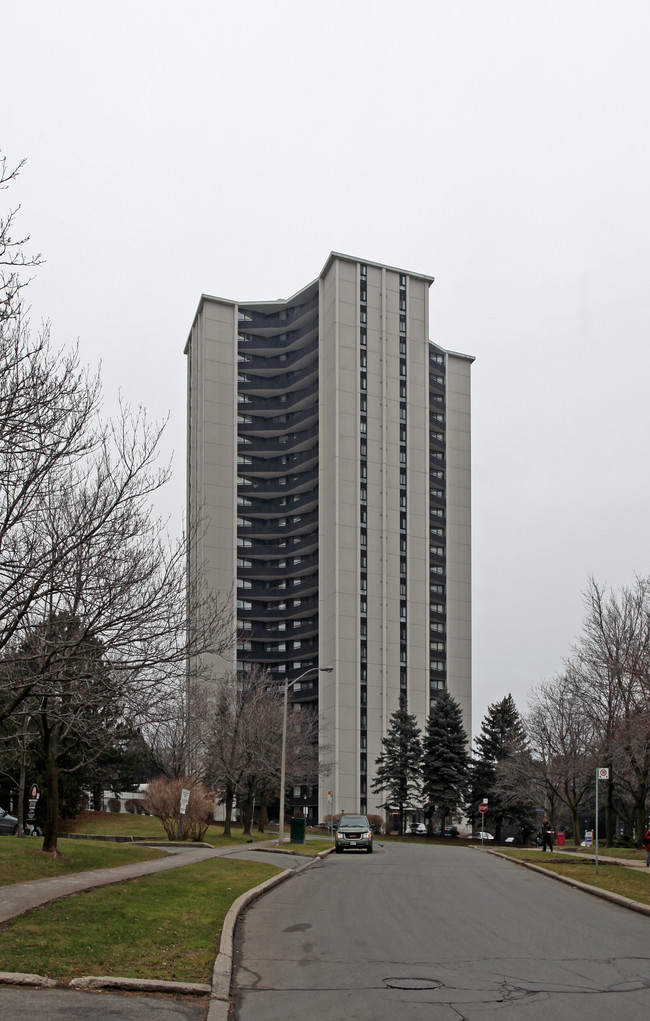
[
  {"x": 602, "y": 773},
  {"x": 185, "y": 797}
]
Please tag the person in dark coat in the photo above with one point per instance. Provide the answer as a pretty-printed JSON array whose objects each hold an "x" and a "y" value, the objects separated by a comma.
[{"x": 547, "y": 835}]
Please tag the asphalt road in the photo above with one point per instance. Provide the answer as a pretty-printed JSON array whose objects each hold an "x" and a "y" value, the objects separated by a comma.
[{"x": 416, "y": 932}]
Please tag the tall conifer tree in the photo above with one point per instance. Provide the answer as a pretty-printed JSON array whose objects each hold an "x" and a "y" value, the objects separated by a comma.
[
  {"x": 399, "y": 774},
  {"x": 445, "y": 760}
]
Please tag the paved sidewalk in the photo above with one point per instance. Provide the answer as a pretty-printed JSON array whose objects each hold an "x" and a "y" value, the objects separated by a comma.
[{"x": 18, "y": 898}]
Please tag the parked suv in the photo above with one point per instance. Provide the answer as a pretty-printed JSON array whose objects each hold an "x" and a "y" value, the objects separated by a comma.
[{"x": 353, "y": 831}]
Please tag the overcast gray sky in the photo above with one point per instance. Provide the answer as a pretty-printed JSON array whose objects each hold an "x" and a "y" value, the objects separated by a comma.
[{"x": 501, "y": 147}]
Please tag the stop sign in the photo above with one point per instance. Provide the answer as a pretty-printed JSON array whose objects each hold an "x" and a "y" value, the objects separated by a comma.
[{"x": 482, "y": 809}]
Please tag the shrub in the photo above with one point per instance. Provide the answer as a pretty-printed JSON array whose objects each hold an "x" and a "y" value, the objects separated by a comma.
[
  {"x": 114, "y": 805},
  {"x": 163, "y": 800},
  {"x": 136, "y": 807}
]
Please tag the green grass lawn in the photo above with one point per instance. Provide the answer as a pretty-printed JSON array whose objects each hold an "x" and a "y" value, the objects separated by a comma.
[
  {"x": 22, "y": 860},
  {"x": 123, "y": 824},
  {"x": 164, "y": 926},
  {"x": 310, "y": 847},
  {"x": 632, "y": 883},
  {"x": 625, "y": 853}
]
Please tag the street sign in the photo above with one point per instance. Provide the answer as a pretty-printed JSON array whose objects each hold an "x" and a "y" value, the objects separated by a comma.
[
  {"x": 482, "y": 809},
  {"x": 185, "y": 797},
  {"x": 603, "y": 773},
  {"x": 589, "y": 838}
]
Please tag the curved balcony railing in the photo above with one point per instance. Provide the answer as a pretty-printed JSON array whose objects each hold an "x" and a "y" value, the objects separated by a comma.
[{"x": 280, "y": 359}]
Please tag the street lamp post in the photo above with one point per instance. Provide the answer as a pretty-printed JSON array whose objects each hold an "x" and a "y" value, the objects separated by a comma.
[{"x": 290, "y": 684}]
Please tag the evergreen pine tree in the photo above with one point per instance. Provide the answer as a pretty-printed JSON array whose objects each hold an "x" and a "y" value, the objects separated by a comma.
[
  {"x": 502, "y": 734},
  {"x": 398, "y": 773},
  {"x": 445, "y": 760}
]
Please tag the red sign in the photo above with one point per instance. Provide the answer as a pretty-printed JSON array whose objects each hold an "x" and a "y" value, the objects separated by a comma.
[{"x": 482, "y": 809}]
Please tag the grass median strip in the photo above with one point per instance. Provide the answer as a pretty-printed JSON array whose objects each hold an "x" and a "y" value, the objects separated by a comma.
[
  {"x": 123, "y": 824},
  {"x": 626, "y": 882},
  {"x": 22, "y": 861},
  {"x": 164, "y": 926}
]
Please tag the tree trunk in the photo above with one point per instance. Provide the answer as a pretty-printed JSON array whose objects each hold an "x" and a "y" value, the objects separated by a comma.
[
  {"x": 262, "y": 818},
  {"x": 20, "y": 811},
  {"x": 575, "y": 821},
  {"x": 230, "y": 797},
  {"x": 51, "y": 749},
  {"x": 609, "y": 809},
  {"x": 247, "y": 818}
]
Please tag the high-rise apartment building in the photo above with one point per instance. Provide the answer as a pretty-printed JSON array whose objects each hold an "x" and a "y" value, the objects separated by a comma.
[{"x": 329, "y": 454}]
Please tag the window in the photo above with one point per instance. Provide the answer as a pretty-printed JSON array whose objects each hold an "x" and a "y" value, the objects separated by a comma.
[
  {"x": 363, "y": 427},
  {"x": 363, "y": 360},
  {"x": 363, "y": 494},
  {"x": 437, "y": 646},
  {"x": 241, "y": 583},
  {"x": 437, "y": 665},
  {"x": 364, "y": 317},
  {"x": 363, "y": 449},
  {"x": 363, "y": 336},
  {"x": 363, "y": 383},
  {"x": 296, "y": 792},
  {"x": 363, "y": 269}
]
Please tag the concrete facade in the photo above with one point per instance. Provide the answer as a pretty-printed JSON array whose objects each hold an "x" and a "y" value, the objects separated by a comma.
[{"x": 330, "y": 427}]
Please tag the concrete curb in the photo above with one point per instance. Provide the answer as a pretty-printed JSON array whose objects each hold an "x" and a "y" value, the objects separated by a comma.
[
  {"x": 614, "y": 898},
  {"x": 18, "y": 978},
  {"x": 219, "y": 1009},
  {"x": 140, "y": 985}
]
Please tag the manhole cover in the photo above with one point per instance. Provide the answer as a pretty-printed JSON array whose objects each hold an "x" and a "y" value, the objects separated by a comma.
[{"x": 412, "y": 983}]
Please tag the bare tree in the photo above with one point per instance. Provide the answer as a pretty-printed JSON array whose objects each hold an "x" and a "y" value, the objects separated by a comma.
[
  {"x": 610, "y": 672},
  {"x": 241, "y": 736},
  {"x": 95, "y": 612},
  {"x": 563, "y": 743}
]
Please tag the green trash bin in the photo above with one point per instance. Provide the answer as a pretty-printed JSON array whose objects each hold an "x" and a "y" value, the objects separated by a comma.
[{"x": 298, "y": 828}]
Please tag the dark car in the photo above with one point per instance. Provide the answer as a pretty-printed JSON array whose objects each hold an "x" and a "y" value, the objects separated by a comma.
[
  {"x": 9, "y": 824},
  {"x": 353, "y": 831}
]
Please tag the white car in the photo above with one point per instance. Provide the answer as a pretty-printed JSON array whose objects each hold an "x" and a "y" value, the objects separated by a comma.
[{"x": 481, "y": 835}]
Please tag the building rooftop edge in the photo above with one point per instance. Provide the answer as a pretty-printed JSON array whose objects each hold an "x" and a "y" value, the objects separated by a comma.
[{"x": 285, "y": 301}]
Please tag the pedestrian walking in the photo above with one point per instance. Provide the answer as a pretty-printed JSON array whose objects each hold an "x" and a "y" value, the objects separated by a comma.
[
  {"x": 646, "y": 844},
  {"x": 547, "y": 835}
]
